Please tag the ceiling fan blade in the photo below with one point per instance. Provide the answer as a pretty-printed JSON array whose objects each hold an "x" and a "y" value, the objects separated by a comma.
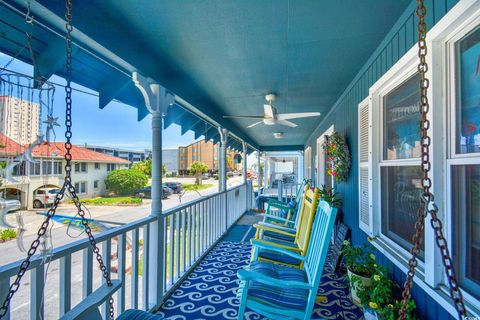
[
  {"x": 269, "y": 111},
  {"x": 286, "y": 123},
  {"x": 254, "y": 124},
  {"x": 243, "y": 117},
  {"x": 286, "y": 116}
]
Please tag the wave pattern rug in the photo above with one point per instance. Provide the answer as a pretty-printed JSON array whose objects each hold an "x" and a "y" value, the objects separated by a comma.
[{"x": 210, "y": 290}]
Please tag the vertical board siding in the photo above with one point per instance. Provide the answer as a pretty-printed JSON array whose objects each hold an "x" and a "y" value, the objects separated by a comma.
[{"x": 344, "y": 114}]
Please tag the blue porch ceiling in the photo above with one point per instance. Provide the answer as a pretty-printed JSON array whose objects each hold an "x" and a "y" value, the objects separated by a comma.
[{"x": 224, "y": 56}]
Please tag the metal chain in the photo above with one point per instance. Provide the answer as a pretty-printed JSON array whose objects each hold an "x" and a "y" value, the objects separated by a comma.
[
  {"x": 427, "y": 201},
  {"x": 67, "y": 186}
]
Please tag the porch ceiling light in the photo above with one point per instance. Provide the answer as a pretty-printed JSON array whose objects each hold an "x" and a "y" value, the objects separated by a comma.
[{"x": 278, "y": 135}]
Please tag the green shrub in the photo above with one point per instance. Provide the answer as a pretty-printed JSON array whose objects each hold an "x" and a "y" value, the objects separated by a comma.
[
  {"x": 7, "y": 234},
  {"x": 125, "y": 182}
]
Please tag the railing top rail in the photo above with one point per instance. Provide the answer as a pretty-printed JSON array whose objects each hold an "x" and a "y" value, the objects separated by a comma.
[
  {"x": 11, "y": 269},
  {"x": 186, "y": 205}
]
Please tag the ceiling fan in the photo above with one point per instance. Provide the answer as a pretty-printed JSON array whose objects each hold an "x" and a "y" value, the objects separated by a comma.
[{"x": 271, "y": 117}]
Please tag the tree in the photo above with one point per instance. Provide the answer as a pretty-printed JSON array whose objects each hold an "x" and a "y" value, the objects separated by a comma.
[
  {"x": 198, "y": 168},
  {"x": 146, "y": 167},
  {"x": 126, "y": 181}
]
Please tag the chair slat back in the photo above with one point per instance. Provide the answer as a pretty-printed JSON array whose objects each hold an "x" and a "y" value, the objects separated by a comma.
[
  {"x": 319, "y": 242},
  {"x": 307, "y": 214},
  {"x": 299, "y": 200}
]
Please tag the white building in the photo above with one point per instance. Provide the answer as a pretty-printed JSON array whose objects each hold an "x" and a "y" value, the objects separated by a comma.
[
  {"x": 89, "y": 170},
  {"x": 170, "y": 159},
  {"x": 19, "y": 119}
]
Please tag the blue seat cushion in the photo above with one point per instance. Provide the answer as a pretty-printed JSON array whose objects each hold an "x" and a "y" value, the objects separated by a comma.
[
  {"x": 275, "y": 256},
  {"x": 279, "y": 296},
  {"x": 133, "y": 314}
]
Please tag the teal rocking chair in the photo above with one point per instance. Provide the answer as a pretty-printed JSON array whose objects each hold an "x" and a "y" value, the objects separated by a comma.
[{"x": 282, "y": 292}]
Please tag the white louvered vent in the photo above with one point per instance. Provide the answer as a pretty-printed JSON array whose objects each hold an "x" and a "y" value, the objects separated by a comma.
[
  {"x": 363, "y": 134},
  {"x": 365, "y": 215}
]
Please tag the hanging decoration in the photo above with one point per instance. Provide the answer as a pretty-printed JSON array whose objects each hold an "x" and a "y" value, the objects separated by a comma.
[{"x": 337, "y": 156}]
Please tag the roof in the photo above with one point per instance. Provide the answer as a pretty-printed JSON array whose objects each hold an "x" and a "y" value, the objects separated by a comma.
[
  {"x": 9, "y": 147},
  {"x": 57, "y": 149}
]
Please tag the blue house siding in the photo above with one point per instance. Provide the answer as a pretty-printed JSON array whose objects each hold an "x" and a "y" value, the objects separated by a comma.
[{"x": 343, "y": 116}]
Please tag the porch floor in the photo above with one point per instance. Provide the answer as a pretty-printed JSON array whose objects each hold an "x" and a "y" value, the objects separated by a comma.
[{"x": 209, "y": 292}]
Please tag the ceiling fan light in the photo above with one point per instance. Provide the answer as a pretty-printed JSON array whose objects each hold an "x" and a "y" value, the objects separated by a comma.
[{"x": 278, "y": 135}]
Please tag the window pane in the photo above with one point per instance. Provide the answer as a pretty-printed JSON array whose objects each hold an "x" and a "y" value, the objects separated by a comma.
[
  {"x": 401, "y": 191},
  {"x": 466, "y": 214},
  {"x": 401, "y": 120},
  {"x": 468, "y": 94}
]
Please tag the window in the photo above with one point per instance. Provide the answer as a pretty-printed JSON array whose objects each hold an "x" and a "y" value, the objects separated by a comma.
[
  {"x": 97, "y": 165},
  {"x": 46, "y": 167},
  {"x": 464, "y": 161},
  {"x": 81, "y": 187},
  {"x": 57, "y": 167},
  {"x": 110, "y": 166},
  {"x": 322, "y": 165},
  {"x": 35, "y": 169},
  {"x": 81, "y": 167},
  {"x": 95, "y": 184},
  {"x": 20, "y": 169},
  {"x": 400, "y": 175}
]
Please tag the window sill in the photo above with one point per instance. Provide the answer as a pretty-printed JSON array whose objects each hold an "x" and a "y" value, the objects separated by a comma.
[{"x": 441, "y": 294}]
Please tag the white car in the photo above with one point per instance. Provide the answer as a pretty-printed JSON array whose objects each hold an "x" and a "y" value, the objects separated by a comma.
[
  {"x": 10, "y": 205},
  {"x": 44, "y": 196}
]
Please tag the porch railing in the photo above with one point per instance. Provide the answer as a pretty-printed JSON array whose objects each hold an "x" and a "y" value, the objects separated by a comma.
[
  {"x": 190, "y": 230},
  {"x": 287, "y": 191}
]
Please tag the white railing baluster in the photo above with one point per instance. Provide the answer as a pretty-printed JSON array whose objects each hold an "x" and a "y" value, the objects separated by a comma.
[
  {"x": 171, "y": 255},
  {"x": 134, "y": 272},
  {"x": 4, "y": 289},
  {"x": 177, "y": 244},
  {"x": 121, "y": 258},
  {"x": 107, "y": 259},
  {"x": 87, "y": 271},
  {"x": 184, "y": 241},
  {"x": 65, "y": 284},
  {"x": 145, "y": 268},
  {"x": 37, "y": 279}
]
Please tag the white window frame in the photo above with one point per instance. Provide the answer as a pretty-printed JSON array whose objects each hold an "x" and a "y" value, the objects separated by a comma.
[
  {"x": 321, "y": 160},
  {"x": 458, "y": 22},
  {"x": 307, "y": 159},
  {"x": 78, "y": 190}
]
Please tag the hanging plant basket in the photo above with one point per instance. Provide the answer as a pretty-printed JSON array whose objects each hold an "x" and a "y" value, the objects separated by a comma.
[{"x": 338, "y": 156}]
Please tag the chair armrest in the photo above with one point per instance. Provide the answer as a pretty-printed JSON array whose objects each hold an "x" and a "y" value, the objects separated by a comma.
[
  {"x": 279, "y": 227},
  {"x": 279, "y": 205},
  {"x": 256, "y": 276},
  {"x": 273, "y": 217},
  {"x": 275, "y": 230},
  {"x": 272, "y": 244},
  {"x": 265, "y": 245}
]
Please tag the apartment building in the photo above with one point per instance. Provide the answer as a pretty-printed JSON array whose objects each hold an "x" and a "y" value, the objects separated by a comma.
[
  {"x": 19, "y": 119},
  {"x": 206, "y": 152},
  {"x": 130, "y": 155}
]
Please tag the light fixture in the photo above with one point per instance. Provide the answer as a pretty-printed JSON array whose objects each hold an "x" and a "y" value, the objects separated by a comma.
[{"x": 278, "y": 135}]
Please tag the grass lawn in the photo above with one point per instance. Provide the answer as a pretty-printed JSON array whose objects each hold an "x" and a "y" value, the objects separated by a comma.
[
  {"x": 112, "y": 201},
  {"x": 193, "y": 187}
]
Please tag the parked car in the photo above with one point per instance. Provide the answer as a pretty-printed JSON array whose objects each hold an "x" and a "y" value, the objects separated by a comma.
[
  {"x": 44, "y": 196},
  {"x": 10, "y": 205},
  {"x": 147, "y": 192},
  {"x": 205, "y": 176},
  {"x": 229, "y": 173},
  {"x": 176, "y": 187}
]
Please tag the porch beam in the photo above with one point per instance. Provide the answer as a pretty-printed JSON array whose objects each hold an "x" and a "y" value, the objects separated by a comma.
[{"x": 157, "y": 100}]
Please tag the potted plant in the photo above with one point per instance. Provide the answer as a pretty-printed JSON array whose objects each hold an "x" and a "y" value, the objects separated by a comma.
[
  {"x": 377, "y": 299},
  {"x": 327, "y": 194},
  {"x": 361, "y": 266}
]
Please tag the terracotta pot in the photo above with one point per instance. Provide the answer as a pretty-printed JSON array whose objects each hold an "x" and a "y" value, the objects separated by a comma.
[{"x": 353, "y": 291}]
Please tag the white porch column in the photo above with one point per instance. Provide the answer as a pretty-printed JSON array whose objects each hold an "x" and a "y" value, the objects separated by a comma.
[
  {"x": 265, "y": 172},
  {"x": 259, "y": 179},
  {"x": 244, "y": 167},
  {"x": 222, "y": 166},
  {"x": 157, "y": 101}
]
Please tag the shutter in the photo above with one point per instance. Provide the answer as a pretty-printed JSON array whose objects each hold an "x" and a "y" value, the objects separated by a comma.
[{"x": 364, "y": 167}]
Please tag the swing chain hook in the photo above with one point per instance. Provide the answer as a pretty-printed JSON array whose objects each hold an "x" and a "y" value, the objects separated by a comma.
[{"x": 428, "y": 206}]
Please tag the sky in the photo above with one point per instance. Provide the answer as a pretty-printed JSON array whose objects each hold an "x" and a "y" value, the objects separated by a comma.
[{"x": 96, "y": 126}]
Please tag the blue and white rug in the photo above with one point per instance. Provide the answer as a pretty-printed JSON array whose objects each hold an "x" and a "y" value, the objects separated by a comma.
[{"x": 210, "y": 290}]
